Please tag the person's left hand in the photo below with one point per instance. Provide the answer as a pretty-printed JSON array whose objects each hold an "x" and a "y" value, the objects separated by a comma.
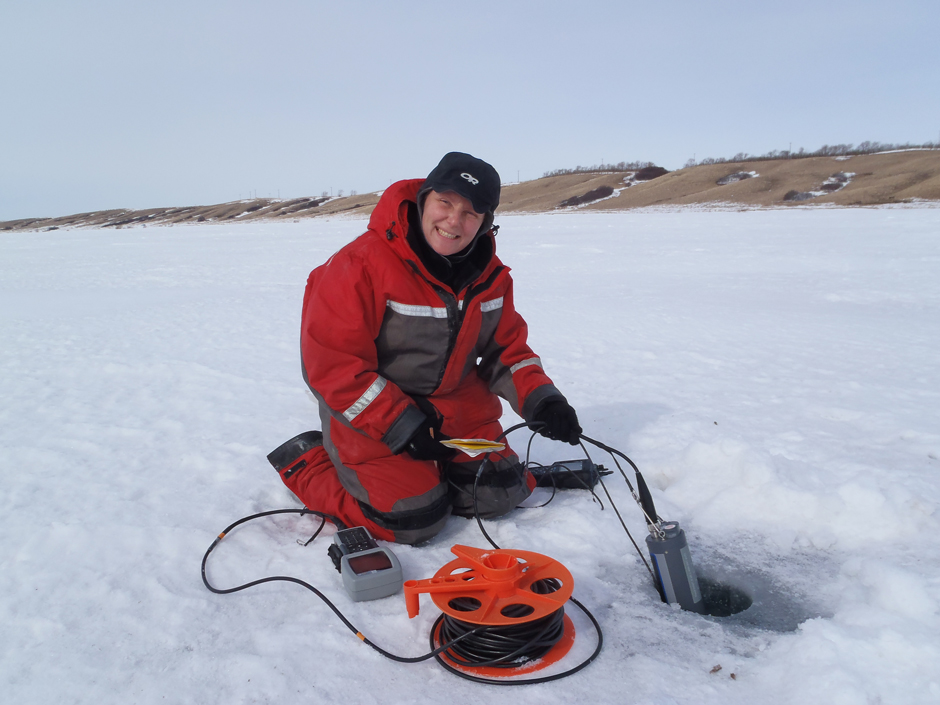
[{"x": 561, "y": 421}]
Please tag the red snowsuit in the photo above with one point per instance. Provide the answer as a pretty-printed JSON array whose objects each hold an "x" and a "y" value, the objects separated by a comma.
[{"x": 384, "y": 345}]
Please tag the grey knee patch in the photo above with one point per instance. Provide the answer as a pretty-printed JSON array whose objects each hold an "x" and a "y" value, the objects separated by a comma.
[
  {"x": 412, "y": 525},
  {"x": 500, "y": 489}
]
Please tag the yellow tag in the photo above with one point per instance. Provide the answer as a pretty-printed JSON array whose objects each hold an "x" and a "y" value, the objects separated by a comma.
[{"x": 473, "y": 446}]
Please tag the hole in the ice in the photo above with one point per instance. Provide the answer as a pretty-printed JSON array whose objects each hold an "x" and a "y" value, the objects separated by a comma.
[
  {"x": 746, "y": 597},
  {"x": 722, "y": 600}
]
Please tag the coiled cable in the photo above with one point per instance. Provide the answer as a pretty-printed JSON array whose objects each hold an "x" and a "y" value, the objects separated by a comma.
[{"x": 501, "y": 647}]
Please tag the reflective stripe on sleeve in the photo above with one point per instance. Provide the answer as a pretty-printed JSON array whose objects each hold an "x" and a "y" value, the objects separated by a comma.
[
  {"x": 491, "y": 305},
  {"x": 371, "y": 393},
  {"x": 525, "y": 363}
]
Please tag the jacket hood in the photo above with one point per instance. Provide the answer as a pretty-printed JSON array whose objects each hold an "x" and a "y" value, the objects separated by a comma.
[{"x": 391, "y": 212}]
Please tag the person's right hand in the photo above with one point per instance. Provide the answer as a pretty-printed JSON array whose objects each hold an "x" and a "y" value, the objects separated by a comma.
[{"x": 423, "y": 445}]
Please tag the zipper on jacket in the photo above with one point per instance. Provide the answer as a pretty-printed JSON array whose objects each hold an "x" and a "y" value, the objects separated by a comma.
[
  {"x": 454, "y": 321},
  {"x": 454, "y": 325},
  {"x": 455, "y": 314}
]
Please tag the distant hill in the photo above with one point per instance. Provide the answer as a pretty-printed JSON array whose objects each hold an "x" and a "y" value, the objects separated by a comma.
[
  {"x": 861, "y": 180},
  {"x": 864, "y": 180}
]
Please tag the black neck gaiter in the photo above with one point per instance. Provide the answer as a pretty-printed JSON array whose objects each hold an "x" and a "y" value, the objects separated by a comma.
[{"x": 457, "y": 270}]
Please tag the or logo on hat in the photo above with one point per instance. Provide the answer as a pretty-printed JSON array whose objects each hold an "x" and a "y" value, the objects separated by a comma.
[{"x": 466, "y": 176}]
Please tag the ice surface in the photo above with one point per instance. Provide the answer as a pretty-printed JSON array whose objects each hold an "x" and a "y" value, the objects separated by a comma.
[{"x": 773, "y": 373}]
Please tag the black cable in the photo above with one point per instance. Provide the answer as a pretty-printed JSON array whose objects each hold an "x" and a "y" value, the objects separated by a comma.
[
  {"x": 528, "y": 464},
  {"x": 534, "y": 641},
  {"x": 613, "y": 453},
  {"x": 520, "y": 471},
  {"x": 548, "y": 501},
  {"x": 435, "y": 652},
  {"x": 526, "y": 681},
  {"x": 617, "y": 511},
  {"x": 315, "y": 533},
  {"x": 471, "y": 645},
  {"x": 508, "y": 646},
  {"x": 311, "y": 588},
  {"x": 476, "y": 480}
]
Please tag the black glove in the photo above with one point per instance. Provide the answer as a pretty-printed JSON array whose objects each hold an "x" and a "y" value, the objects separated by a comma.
[
  {"x": 424, "y": 446},
  {"x": 561, "y": 421}
]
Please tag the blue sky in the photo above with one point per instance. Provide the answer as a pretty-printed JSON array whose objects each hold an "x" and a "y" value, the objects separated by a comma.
[{"x": 115, "y": 104}]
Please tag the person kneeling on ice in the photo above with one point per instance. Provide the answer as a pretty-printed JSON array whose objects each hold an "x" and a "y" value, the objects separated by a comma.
[{"x": 409, "y": 333}]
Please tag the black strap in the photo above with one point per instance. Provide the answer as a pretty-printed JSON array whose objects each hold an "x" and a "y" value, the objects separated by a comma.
[
  {"x": 288, "y": 452},
  {"x": 408, "y": 520}
]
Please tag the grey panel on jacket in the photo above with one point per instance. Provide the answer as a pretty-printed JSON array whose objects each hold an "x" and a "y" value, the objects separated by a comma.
[
  {"x": 412, "y": 350},
  {"x": 488, "y": 324},
  {"x": 491, "y": 368}
]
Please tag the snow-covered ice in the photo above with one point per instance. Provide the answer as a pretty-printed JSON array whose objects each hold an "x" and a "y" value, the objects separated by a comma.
[{"x": 775, "y": 374}]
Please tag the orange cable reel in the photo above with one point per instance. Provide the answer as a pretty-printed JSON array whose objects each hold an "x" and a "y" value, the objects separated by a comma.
[{"x": 498, "y": 588}]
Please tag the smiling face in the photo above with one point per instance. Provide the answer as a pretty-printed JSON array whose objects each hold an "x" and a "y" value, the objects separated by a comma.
[{"x": 449, "y": 222}]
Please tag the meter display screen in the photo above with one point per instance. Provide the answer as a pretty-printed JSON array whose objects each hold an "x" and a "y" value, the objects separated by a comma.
[{"x": 369, "y": 562}]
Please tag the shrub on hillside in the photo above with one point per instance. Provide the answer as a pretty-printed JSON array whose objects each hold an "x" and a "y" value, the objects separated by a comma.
[
  {"x": 594, "y": 195},
  {"x": 795, "y": 195},
  {"x": 649, "y": 173},
  {"x": 599, "y": 168},
  {"x": 835, "y": 150}
]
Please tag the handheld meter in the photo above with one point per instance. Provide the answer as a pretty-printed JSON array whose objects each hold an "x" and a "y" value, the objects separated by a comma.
[{"x": 369, "y": 571}]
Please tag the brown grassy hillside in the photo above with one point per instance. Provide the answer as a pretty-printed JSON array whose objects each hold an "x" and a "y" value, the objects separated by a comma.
[
  {"x": 871, "y": 179},
  {"x": 878, "y": 179}
]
